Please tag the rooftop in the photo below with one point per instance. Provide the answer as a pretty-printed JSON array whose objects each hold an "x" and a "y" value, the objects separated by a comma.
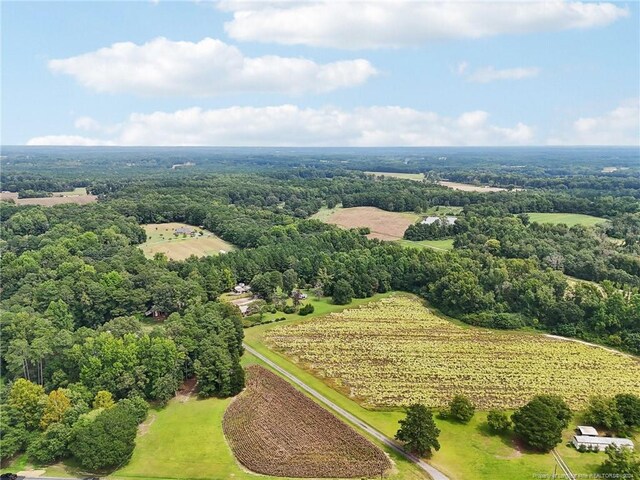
[
  {"x": 586, "y": 430},
  {"x": 604, "y": 440}
]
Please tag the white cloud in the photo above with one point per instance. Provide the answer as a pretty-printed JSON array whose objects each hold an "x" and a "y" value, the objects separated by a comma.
[
  {"x": 397, "y": 23},
  {"x": 491, "y": 74},
  {"x": 620, "y": 126},
  {"x": 209, "y": 67},
  {"x": 289, "y": 125},
  {"x": 86, "y": 123}
]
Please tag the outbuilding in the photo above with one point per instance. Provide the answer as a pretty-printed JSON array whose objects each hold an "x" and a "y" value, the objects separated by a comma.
[
  {"x": 586, "y": 431},
  {"x": 600, "y": 443}
]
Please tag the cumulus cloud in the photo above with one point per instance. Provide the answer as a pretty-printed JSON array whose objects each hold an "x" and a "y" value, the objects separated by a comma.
[
  {"x": 289, "y": 125},
  {"x": 491, "y": 74},
  {"x": 620, "y": 126},
  {"x": 208, "y": 67},
  {"x": 397, "y": 23}
]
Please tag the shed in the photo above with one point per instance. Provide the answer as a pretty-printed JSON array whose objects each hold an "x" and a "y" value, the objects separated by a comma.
[
  {"x": 586, "y": 431},
  {"x": 430, "y": 220},
  {"x": 600, "y": 443}
]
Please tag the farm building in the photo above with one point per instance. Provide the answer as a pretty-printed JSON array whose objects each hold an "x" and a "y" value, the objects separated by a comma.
[
  {"x": 600, "y": 443},
  {"x": 586, "y": 431},
  {"x": 448, "y": 220},
  {"x": 184, "y": 230},
  {"x": 156, "y": 313}
]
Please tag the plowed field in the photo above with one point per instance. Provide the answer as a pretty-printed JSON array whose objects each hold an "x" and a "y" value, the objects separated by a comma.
[{"x": 273, "y": 429}]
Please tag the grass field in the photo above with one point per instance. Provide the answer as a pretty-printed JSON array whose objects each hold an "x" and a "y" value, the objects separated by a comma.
[
  {"x": 418, "y": 177},
  {"x": 467, "y": 187},
  {"x": 383, "y": 225},
  {"x": 442, "y": 245},
  {"x": 78, "y": 196},
  {"x": 467, "y": 453},
  {"x": 160, "y": 238},
  {"x": 569, "y": 219},
  {"x": 396, "y": 352}
]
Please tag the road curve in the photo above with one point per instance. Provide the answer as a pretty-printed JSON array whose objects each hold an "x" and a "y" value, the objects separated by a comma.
[{"x": 434, "y": 473}]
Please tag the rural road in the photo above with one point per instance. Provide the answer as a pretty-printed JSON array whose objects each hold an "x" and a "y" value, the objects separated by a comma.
[{"x": 432, "y": 471}]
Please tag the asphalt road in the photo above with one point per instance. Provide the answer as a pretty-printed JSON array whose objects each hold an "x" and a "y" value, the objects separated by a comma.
[{"x": 434, "y": 473}]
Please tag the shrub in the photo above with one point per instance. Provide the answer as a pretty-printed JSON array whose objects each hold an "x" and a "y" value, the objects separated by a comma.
[
  {"x": 289, "y": 309},
  {"x": 498, "y": 421},
  {"x": 461, "y": 409},
  {"x": 306, "y": 309}
]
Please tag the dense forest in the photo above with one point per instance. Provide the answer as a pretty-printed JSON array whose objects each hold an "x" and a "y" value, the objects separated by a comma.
[{"x": 75, "y": 285}]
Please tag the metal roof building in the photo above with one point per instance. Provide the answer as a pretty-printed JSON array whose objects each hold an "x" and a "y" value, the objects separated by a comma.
[
  {"x": 588, "y": 431},
  {"x": 600, "y": 442}
]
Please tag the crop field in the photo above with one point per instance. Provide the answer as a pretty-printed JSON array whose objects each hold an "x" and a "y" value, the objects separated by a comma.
[
  {"x": 395, "y": 352},
  {"x": 78, "y": 196},
  {"x": 274, "y": 429},
  {"x": 418, "y": 177},
  {"x": 383, "y": 225},
  {"x": 569, "y": 219},
  {"x": 161, "y": 238},
  {"x": 442, "y": 245},
  {"x": 467, "y": 187}
]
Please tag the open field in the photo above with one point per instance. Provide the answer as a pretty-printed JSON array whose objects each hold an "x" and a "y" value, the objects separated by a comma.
[
  {"x": 468, "y": 452},
  {"x": 467, "y": 187},
  {"x": 418, "y": 177},
  {"x": 78, "y": 195},
  {"x": 442, "y": 245},
  {"x": 383, "y": 225},
  {"x": 274, "y": 429},
  {"x": 569, "y": 219},
  {"x": 161, "y": 238},
  {"x": 396, "y": 352}
]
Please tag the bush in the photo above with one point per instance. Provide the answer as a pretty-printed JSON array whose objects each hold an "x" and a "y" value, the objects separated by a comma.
[
  {"x": 51, "y": 445},
  {"x": 461, "y": 409},
  {"x": 306, "y": 309},
  {"x": 289, "y": 309},
  {"x": 498, "y": 422}
]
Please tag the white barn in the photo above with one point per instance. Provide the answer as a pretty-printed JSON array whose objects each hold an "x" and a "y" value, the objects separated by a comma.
[
  {"x": 587, "y": 431},
  {"x": 600, "y": 443}
]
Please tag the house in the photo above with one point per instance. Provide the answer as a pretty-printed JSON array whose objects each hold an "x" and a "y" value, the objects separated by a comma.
[
  {"x": 448, "y": 220},
  {"x": 156, "y": 313},
  {"x": 600, "y": 443},
  {"x": 186, "y": 230},
  {"x": 586, "y": 431},
  {"x": 241, "y": 288}
]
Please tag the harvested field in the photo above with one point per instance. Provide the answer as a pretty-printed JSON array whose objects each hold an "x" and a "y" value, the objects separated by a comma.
[
  {"x": 396, "y": 352},
  {"x": 79, "y": 196},
  {"x": 273, "y": 429},
  {"x": 418, "y": 177},
  {"x": 161, "y": 238},
  {"x": 466, "y": 187},
  {"x": 383, "y": 225},
  {"x": 569, "y": 219}
]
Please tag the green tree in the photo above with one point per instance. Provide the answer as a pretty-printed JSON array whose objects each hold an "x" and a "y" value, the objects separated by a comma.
[
  {"x": 26, "y": 397},
  {"x": 289, "y": 280},
  {"x": 103, "y": 399},
  {"x": 628, "y": 406},
  {"x": 56, "y": 406},
  {"x": 498, "y": 422},
  {"x": 13, "y": 433},
  {"x": 622, "y": 462},
  {"x": 342, "y": 292},
  {"x": 418, "y": 430},
  {"x": 540, "y": 422},
  {"x": 50, "y": 445},
  {"x": 461, "y": 409},
  {"x": 106, "y": 441},
  {"x": 603, "y": 412}
]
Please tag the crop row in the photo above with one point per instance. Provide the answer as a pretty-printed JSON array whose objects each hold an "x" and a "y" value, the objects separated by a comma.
[
  {"x": 396, "y": 352},
  {"x": 275, "y": 430}
]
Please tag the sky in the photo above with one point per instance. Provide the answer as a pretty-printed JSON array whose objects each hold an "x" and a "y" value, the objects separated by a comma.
[{"x": 307, "y": 73}]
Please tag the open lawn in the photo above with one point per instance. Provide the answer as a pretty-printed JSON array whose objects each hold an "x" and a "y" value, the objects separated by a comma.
[
  {"x": 396, "y": 352},
  {"x": 383, "y": 225},
  {"x": 161, "y": 238},
  {"x": 569, "y": 219},
  {"x": 418, "y": 177},
  {"x": 442, "y": 245}
]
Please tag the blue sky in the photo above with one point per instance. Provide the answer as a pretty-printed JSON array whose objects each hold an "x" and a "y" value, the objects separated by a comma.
[{"x": 337, "y": 73}]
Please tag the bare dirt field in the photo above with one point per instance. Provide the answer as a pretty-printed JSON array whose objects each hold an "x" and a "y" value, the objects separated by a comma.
[
  {"x": 383, "y": 225},
  {"x": 273, "y": 429}
]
